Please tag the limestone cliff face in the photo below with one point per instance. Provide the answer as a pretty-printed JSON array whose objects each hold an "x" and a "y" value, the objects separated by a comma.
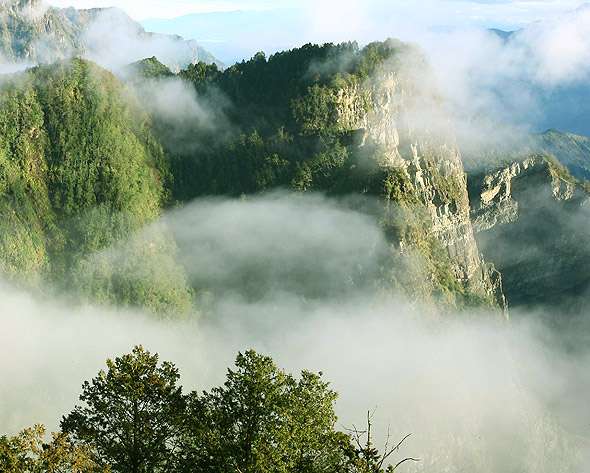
[
  {"x": 427, "y": 164},
  {"x": 494, "y": 201},
  {"x": 531, "y": 217}
]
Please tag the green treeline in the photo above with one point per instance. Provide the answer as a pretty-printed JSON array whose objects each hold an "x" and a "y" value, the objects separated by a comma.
[
  {"x": 283, "y": 128},
  {"x": 135, "y": 418}
]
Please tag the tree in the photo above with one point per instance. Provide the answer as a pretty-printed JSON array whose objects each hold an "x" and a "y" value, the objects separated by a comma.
[
  {"x": 132, "y": 414},
  {"x": 264, "y": 420},
  {"x": 368, "y": 458},
  {"x": 27, "y": 452}
]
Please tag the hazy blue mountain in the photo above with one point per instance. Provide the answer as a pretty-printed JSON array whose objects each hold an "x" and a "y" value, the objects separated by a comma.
[
  {"x": 236, "y": 35},
  {"x": 573, "y": 151},
  {"x": 505, "y": 35}
]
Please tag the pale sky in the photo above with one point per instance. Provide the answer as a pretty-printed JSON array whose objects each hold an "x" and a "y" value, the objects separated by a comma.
[
  {"x": 142, "y": 9},
  {"x": 456, "y": 11}
]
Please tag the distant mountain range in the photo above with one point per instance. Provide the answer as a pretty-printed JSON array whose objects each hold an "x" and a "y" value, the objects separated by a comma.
[
  {"x": 564, "y": 105},
  {"x": 236, "y": 35},
  {"x": 31, "y": 32}
]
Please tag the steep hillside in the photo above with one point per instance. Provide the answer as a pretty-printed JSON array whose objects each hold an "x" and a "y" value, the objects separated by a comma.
[
  {"x": 532, "y": 219},
  {"x": 32, "y": 32},
  {"x": 340, "y": 120},
  {"x": 573, "y": 151},
  {"x": 79, "y": 173}
]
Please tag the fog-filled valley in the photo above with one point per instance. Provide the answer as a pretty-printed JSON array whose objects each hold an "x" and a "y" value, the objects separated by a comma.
[{"x": 392, "y": 216}]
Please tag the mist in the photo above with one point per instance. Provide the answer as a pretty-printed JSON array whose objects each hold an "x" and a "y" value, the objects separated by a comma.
[{"x": 477, "y": 393}]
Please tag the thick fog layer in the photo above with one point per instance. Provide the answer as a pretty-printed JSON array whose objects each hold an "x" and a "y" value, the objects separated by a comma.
[{"x": 478, "y": 394}]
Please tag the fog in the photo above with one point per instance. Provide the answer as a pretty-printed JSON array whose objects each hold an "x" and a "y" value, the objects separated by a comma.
[
  {"x": 477, "y": 393},
  {"x": 113, "y": 40}
]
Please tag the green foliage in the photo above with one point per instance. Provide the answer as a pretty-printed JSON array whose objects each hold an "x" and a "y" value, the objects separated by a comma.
[
  {"x": 285, "y": 128},
  {"x": 201, "y": 75},
  {"x": 263, "y": 419},
  {"x": 28, "y": 452},
  {"x": 150, "y": 68},
  {"x": 131, "y": 414},
  {"x": 79, "y": 172}
]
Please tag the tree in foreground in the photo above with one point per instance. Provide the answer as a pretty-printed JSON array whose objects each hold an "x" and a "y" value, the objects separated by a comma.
[
  {"x": 131, "y": 414},
  {"x": 28, "y": 452},
  {"x": 264, "y": 420}
]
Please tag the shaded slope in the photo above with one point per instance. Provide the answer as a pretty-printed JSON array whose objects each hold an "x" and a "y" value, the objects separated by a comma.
[{"x": 532, "y": 220}]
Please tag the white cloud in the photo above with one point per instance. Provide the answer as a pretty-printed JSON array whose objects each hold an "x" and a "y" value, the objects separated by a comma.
[{"x": 142, "y": 9}]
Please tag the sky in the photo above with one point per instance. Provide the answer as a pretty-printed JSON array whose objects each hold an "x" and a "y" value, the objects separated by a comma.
[{"x": 505, "y": 12}]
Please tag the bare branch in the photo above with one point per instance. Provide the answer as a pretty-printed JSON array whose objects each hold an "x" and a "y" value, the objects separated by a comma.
[{"x": 409, "y": 459}]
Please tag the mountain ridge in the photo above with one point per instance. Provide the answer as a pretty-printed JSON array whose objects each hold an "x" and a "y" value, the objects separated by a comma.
[{"x": 32, "y": 32}]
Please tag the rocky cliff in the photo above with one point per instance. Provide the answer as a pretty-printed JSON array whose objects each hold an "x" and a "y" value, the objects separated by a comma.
[
  {"x": 532, "y": 217},
  {"x": 425, "y": 176}
]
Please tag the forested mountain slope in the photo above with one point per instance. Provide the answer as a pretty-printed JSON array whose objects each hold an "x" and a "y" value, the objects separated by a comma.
[
  {"x": 340, "y": 120},
  {"x": 80, "y": 171}
]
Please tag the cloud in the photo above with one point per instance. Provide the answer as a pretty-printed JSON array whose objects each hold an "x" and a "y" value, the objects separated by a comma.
[{"x": 479, "y": 395}]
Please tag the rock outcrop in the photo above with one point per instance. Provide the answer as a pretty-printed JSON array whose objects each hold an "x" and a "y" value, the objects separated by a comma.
[
  {"x": 427, "y": 177},
  {"x": 532, "y": 217}
]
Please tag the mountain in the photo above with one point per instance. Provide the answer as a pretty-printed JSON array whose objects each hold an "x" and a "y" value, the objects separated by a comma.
[
  {"x": 80, "y": 174},
  {"x": 84, "y": 172},
  {"x": 573, "y": 151},
  {"x": 503, "y": 35},
  {"x": 531, "y": 218},
  {"x": 31, "y": 32},
  {"x": 85, "y": 166},
  {"x": 235, "y": 35},
  {"x": 323, "y": 119}
]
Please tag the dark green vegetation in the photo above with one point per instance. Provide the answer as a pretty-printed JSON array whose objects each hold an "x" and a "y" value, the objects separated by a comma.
[
  {"x": 135, "y": 418},
  {"x": 149, "y": 68},
  {"x": 285, "y": 126},
  {"x": 80, "y": 172}
]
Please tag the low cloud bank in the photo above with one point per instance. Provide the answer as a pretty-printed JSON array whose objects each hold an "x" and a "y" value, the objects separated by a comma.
[{"x": 478, "y": 394}]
